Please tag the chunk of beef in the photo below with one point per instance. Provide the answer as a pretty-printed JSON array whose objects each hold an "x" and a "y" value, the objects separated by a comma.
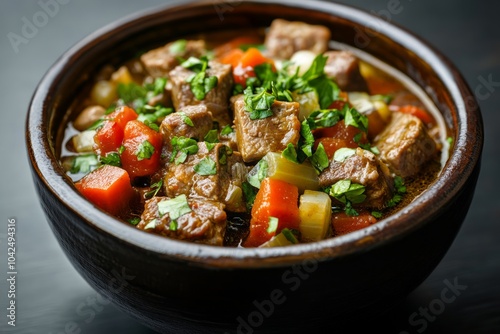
[
  {"x": 174, "y": 125},
  {"x": 181, "y": 89},
  {"x": 206, "y": 223},
  {"x": 366, "y": 169},
  {"x": 343, "y": 67},
  {"x": 285, "y": 38},
  {"x": 405, "y": 144},
  {"x": 224, "y": 186},
  {"x": 257, "y": 137},
  {"x": 159, "y": 62}
]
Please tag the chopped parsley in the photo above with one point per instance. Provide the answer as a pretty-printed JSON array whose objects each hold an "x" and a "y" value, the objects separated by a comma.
[
  {"x": 289, "y": 235},
  {"x": 137, "y": 96},
  {"x": 155, "y": 188},
  {"x": 212, "y": 136},
  {"x": 200, "y": 84},
  {"x": 151, "y": 225},
  {"x": 258, "y": 173},
  {"x": 273, "y": 225},
  {"x": 259, "y": 104},
  {"x": 348, "y": 193},
  {"x": 290, "y": 153},
  {"x": 224, "y": 152},
  {"x": 145, "y": 150},
  {"x": 356, "y": 119},
  {"x": 226, "y": 130},
  {"x": 315, "y": 79},
  {"x": 112, "y": 159},
  {"x": 178, "y": 47},
  {"x": 175, "y": 207},
  {"x": 185, "y": 118},
  {"x": 205, "y": 167},
  {"x": 181, "y": 148},
  {"x": 134, "y": 221},
  {"x": 84, "y": 163},
  {"x": 249, "y": 192},
  {"x": 319, "y": 159},
  {"x": 400, "y": 188},
  {"x": 173, "y": 225},
  {"x": 343, "y": 153}
]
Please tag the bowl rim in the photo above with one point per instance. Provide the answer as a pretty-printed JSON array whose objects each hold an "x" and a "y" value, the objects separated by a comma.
[{"x": 453, "y": 176}]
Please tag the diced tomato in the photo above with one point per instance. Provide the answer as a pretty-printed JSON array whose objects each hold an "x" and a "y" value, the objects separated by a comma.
[
  {"x": 122, "y": 115},
  {"x": 108, "y": 187},
  {"x": 108, "y": 138},
  {"x": 277, "y": 199},
  {"x": 341, "y": 131},
  {"x": 417, "y": 112},
  {"x": 138, "y": 138},
  {"x": 331, "y": 145},
  {"x": 337, "y": 104},
  {"x": 343, "y": 224}
]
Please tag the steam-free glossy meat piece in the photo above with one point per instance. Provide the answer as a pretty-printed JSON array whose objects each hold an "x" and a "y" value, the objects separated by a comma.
[
  {"x": 159, "y": 62},
  {"x": 405, "y": 144},
  {"x": 206, "y": 223},
  {"x": 181, "y": 89},
  {"x": 285, "y": 38},
  {"x": 175, "y": 124},
  {"x": 224, "y": 185},
  {"x": 363, "y": 168},
  {"x": 343, "y": 67},
  {"x": 257, "y": 137}
]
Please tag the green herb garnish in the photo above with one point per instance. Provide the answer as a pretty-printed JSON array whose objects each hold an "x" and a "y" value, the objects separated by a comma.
[
  {"x": 84, "y": 163},
  {"x": 145, "y": 150},
  {"x": 112, "y": 159},
  {"x": 206, "y": 166},
  {"x": 181, "y": 147},
  {"x": 175, "y": 207}
]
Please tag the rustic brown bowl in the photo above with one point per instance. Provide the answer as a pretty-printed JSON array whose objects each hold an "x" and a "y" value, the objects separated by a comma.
[{"x": 173, "y": 286}]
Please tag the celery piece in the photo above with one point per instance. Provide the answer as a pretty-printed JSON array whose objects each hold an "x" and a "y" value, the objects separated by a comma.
[
  {"x": 302, "y": 175},
  {"x": 315, "y": 211}
]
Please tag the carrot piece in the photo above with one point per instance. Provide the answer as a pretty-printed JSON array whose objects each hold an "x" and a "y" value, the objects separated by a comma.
[
  {"x": 232, "y": 57},
  {"x": 275, "y": 199},
  {"x": 142, "y": 144},
  {"x": 417, "y": 112},
  {"x": 108, "y": 187},
  {"x": 122, "y": 115},
  {"x": 253, "y": 57},
  {"x": 108, "y": 138},
  {"x": 343, "y": 224},
  {"x": 331, "y": 145}
]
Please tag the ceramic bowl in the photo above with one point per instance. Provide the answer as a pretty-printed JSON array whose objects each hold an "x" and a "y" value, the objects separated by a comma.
[{"x": 174, "y": 286}]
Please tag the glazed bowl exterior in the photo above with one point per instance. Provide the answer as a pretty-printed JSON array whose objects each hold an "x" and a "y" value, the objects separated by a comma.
[{"x": 174, "y": 286}]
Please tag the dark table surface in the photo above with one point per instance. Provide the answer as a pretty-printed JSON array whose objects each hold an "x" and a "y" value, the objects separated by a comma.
[{"x": 51, "y": 296}]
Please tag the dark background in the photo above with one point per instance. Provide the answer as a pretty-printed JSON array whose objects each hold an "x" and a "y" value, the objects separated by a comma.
[{"x": 49, "y": 290}]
